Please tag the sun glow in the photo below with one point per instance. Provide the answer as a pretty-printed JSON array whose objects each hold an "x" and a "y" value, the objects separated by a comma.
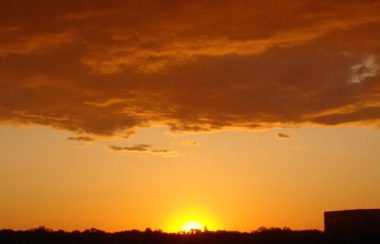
[
  {"x": 192, "y": 218},
  {"x": 192, "y": 226}
]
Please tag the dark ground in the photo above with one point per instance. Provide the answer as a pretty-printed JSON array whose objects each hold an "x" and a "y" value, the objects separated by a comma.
[{"x": 261, "y": 236}]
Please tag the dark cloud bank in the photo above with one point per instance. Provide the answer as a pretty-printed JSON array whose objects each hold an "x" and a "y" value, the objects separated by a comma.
[{"x": 105, "y": 67}]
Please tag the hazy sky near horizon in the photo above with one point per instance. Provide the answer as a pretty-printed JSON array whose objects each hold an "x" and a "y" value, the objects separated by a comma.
[{"x": 234, "y": 114}]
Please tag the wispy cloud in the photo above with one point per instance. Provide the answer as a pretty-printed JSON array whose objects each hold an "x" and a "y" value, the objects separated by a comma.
[
  {"x": 365, "y": 69},
  {"x": 146, "y": 148},
  {"x": 283, "y": 136},
  {"x": 81, "y": 138},
  {"x": 135, "y": 148}
]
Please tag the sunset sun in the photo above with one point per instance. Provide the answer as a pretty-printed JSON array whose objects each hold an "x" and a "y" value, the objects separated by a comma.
[
  {"x": 192, "y": 218},
  {"x": 192, "y": 226}
]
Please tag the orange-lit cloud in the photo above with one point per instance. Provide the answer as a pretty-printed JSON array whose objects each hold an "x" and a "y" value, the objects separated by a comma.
[
  {"x": 106, "y": 67},
  {"x": 135, "y": 148},
  {"x": 146, "y": 149},
  {"x": 283, "y": 136},
  {"x": 81, "y": 138}
]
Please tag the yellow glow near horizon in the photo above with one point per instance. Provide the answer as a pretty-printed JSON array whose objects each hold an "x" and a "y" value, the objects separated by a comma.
[
  {"x": 191, "y": 226},
  {"x": 192, "y": 218}
]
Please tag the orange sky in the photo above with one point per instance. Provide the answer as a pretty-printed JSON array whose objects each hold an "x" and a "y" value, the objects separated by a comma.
[{"x": 236, "y": 114}]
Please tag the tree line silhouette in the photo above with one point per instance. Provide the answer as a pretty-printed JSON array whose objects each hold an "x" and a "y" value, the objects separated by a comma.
[{"x": 43, "y": 235}]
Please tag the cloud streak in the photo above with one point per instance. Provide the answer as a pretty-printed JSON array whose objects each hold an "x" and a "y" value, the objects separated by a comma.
[
  {"x": 283, "y": 136},
  {"x": 81, "y": 138},
  {"x": 106, "y": 68},
  {"x": 135, "y": 148},
  {"x": 146, "y": 148}
]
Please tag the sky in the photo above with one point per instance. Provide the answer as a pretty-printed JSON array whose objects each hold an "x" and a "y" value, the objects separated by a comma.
[{"x": 231, "y": 114}]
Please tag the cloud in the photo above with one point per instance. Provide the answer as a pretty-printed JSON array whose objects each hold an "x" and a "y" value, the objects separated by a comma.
[
  {"x": 145, "y": 148},
  {"x": 283, "y": 136},
  {"x": 106, "y": 68},
  {"x": 135, "y": 148},
  {"x": 365, "y": 69},
  {"x": 81, "y": 138}
]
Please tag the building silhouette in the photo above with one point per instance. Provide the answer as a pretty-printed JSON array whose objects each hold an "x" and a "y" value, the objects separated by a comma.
[{"x": 353, "y": 224}]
